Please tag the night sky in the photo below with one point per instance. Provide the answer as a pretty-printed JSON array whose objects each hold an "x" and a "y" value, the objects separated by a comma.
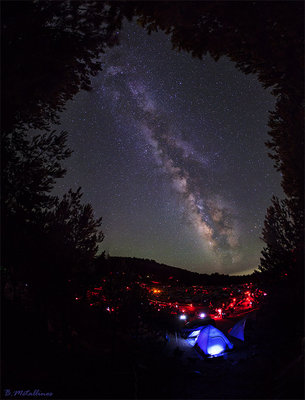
[{"x": 170, "y": 151}]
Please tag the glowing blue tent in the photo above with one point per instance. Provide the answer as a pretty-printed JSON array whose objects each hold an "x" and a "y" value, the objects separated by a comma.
[
  {"x": 238, "y": 330},
  {"x": 212, "y": 341}
]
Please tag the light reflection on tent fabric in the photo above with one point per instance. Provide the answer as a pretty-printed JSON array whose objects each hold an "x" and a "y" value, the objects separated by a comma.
[{"x": 194, "y": 334}]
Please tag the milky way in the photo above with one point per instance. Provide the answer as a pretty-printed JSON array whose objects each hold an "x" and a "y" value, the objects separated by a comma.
[
  {"x": 212, "y": 220},
  {"x": 170, "y": 151}
]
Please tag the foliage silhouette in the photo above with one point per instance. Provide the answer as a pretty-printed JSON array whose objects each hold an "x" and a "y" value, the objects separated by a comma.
[
  {"x": 30, "y": 167},
  {"x": 283, "y": 240},
  {"x": 29, "y": 171},
  {"x": 50, "y": 51}
]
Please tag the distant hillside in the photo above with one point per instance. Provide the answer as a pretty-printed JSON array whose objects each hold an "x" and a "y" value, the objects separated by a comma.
[{"x": 150, "y": 269}]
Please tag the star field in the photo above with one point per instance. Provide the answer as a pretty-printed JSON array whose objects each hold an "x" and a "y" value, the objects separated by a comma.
[{"x": 170, "y": 151}]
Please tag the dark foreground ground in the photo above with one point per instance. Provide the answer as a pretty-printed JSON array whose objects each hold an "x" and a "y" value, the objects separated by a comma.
[{"x": 101, "y": 362}]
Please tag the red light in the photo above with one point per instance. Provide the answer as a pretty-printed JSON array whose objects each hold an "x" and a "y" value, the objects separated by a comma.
[
  {"x": 76, "y": 298},
  {"x": 91, "y": 304}
]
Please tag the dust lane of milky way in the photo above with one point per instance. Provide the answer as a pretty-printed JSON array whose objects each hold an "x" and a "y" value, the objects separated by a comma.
[{"x": 170, "y": 151}]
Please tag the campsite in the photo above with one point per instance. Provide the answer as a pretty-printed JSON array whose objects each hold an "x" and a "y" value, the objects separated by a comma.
[{"x": 138, "y": 348}]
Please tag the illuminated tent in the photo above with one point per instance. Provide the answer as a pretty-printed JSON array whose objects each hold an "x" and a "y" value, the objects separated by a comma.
[
  {"x": 212, "y": 341},
  {"x": 238, "y": 330}
]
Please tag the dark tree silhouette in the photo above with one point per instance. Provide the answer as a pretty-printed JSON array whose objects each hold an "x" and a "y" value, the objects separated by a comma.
[
  {"x": 61, "y": 265},
  {"x": 50, "y": 50},
  {"x": 29, "y": 171},
  {"x": 287, "y": 145},
  {"x": 46, "y": 239},
  {"x": 73, "y": 235},
  {"x": 30, "y": 167},
  {"x": 284, "y": 241}
]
